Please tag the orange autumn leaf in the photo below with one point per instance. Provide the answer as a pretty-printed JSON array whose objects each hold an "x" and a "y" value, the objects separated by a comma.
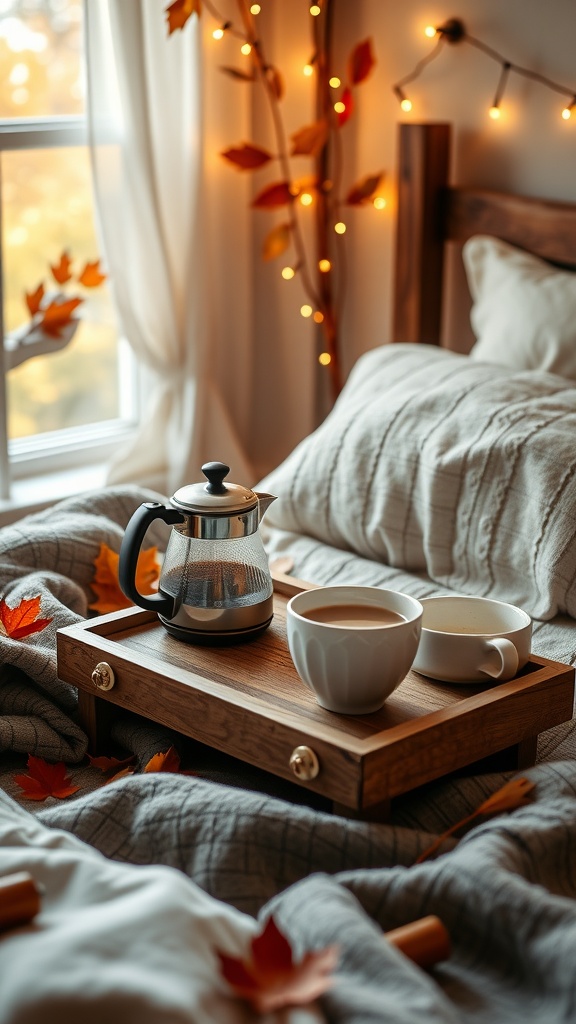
[
  {"x": 276, "y": 242},
  {"x": 108, "y": 764},
  {"x": 45, "y": 780},
  {"x": 122, "y": 774},
  {"x": 247, "y": 157},
  {"x": 346, "y": 99},
  {"x": 61, "y": 271},
  {"x": 110, "y": 597},
  {"x": 169, "y": 761},
  {"x": 92, "y": 276},
  {"x": 34, "y": 299},
  {"x": 177, "y": 13},
  {"x": 270, "y": 979},
  {"x": 22, "y": 620},
  {"x": 309, "y": 141},
  {"x": 278, "y": 194},
  {"x": 57, "y": 315},
  {"x": 361, "y": 62},
  {"x": 364, "y": 190}
]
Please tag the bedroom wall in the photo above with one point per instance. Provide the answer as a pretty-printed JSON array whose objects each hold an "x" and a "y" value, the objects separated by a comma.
[{"x": 531, "y": 150}]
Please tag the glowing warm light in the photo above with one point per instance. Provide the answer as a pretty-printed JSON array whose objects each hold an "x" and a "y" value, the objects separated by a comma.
[
  {"x": 218, "y": 33},
  {"x": 340, "y": 227},
  {"x": 306, "y": 199},
  {"x": 430, "y": 31},
  {"x": 567, "y": 113},
  {"x": 494, "y": 113},
  {"x": 334, "y": 82},
  {"x": 406, "y": 104},
  {"x": 308, "y": 70},
  {"x": 288, "y": 273},
  {"x": 318, "y": 317},
  {"x": 324, "y": 358},
  {"x": 324, "y": 266},
  {"x": 315, "y": 10},
  {"x": 379, "y": 202},
  {"x": 306, "y": 310},
  {"x": 19, "y": 74},
  {"x": 255, "y": 9},
  {"x": 245, "y": 49},
  {"x": 339, "y": 107}
]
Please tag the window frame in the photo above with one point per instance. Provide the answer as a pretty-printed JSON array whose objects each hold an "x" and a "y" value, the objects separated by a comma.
[{"x": 63, "y": 450}]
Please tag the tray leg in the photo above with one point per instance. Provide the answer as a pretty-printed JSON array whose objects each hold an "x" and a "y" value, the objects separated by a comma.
[{"x": 94, "y": 717}]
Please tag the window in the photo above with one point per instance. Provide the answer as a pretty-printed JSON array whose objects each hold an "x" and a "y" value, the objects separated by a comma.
[{"x": 75, "y": 398}]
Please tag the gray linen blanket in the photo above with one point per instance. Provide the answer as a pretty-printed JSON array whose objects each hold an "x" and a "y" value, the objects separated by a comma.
[{"x": 506, "y": 891}]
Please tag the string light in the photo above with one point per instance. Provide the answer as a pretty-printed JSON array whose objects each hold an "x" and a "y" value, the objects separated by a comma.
[
  {"x": 255, "y": 9},
  {"x": 334, "y": 82},
  {"x": 324, "y": 266},
  {"x": 339, "y": 107},
  {"x": 315, "y": 10},
  {"x": 218, "y": 33},
  {"x": 308, "y": 70},
  {"x": 453, "y": 31},
  {"x": 288, "y": 273},
  {"x": 340, "y": 228},
  {"x": 318, "y": 317},
  {"x": 306, "y": 310},
  {"x": 245, "y": 49},
  {"x": 324, "y": 359},
  {"x": 379, "y": 202},
  {"x": 306, "y": 199}
]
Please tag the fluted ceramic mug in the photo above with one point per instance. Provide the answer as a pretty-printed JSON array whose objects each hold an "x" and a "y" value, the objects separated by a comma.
[{"x": 353, "y": 645}]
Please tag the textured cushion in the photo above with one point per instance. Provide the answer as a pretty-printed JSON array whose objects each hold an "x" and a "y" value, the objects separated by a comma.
[
  {"x": 432, "y": 462},
  {"x": 524, "y": 309}
]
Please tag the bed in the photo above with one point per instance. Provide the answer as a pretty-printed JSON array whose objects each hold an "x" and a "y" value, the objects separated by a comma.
[{"x": 436, "y": 472}]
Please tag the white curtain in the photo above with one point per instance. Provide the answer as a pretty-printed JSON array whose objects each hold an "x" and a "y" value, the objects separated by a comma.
[{"x": 166, "y": 246}]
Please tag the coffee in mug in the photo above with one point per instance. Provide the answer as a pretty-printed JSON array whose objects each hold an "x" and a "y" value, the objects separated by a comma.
[{"x": 352, "y": 645}]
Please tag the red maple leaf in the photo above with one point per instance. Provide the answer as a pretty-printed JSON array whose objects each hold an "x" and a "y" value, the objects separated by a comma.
[
  {"x": 108, "y": 764},
  {"x": 22, "y": 620},
  {"x": 168, "y": 761},
  {"x": 271, "y": 979},
  {"x": 45, "y": 780}
]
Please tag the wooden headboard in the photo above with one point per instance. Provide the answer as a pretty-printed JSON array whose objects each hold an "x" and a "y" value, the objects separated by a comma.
[{"x": 431, "y": 212}]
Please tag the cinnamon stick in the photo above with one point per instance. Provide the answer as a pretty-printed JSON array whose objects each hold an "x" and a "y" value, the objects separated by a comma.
[
  {"x": 426, "y": 941},
  {"x": 19, "y": 900}
]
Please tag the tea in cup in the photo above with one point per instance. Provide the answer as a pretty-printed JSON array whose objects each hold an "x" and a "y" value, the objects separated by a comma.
[
  {"x": 472, "y": 639},
  {"x": 353, "y": 645}
]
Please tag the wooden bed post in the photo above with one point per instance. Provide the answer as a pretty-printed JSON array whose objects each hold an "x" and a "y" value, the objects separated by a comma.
[{"x": 423, "y": 169}]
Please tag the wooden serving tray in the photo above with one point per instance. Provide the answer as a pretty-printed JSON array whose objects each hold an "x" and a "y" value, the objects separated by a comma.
[{"x": 248, "y": 701}]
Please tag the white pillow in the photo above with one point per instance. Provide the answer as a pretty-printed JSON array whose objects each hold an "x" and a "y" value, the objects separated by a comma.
[
  {"x": 432, "y": 462},
  {"x": 524, "y": 311}
]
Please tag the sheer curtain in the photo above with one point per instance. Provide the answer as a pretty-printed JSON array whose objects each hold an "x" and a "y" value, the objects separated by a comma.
[{"x": 165, "y": 242}]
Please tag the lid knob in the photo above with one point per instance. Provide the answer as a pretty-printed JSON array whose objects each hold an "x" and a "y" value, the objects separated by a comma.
[{"x": 215, "y": 473}]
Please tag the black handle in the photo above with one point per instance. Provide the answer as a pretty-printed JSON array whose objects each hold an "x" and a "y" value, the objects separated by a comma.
[{"x": 162, "y": 603}]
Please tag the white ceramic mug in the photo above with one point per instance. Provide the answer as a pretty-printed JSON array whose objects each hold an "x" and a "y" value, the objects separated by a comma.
[
  {"x": 353, "y": 663},
  {"x": 471, "y": 639}
]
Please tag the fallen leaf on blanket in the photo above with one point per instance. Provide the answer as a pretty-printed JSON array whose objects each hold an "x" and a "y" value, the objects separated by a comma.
[
  {"x": 270, "y": 979},
  {"x": 22, "y": 620},
  {"x": 169, "y": 761},
  {"x": 110, "y": 597},
  {"x": 511, "y": 795},
  {"x": 122, "y": 774},
  {"x": 108, "y": 764},
  {"x": 45, "y": 780}
]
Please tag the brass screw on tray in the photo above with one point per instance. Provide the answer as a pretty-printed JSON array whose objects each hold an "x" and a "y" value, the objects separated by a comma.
[
  {"x": 304, "y": 763},
  {"x": 103, "y": 676}
]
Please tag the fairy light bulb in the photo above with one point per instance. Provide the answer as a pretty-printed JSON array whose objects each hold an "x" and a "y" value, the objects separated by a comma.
[
  {"x": 339, "y": 107},
  {"x": 566, "y": 113},
  {"x": 406, "y": 104},
  {"x": 318, "y": 317},
  {"x": 255, "y": 9},
  {"x": 334, "y": 82},
  {"x": 218, "y": 33},
  {"x": 430, "y": 31},
  {"x": 494, "y": 113},
  {"x": 379, "y": 202},
  {"x": 324, "y": 266},
  {"x": 324, "y": 359},
  {"x": 308, "y": 70},
  {"x": 245, "y": 49},
  {"x": 306, "y": 199},
  {"x": 315, "y": 10},
  {"x": 340, "y": 227},
  {"x": 288, "y": 273},
  {"x": 306, "y": 310}
]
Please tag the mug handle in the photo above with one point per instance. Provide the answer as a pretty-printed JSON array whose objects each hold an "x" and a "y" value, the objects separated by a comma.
[{"x": 508, "y": 659}]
